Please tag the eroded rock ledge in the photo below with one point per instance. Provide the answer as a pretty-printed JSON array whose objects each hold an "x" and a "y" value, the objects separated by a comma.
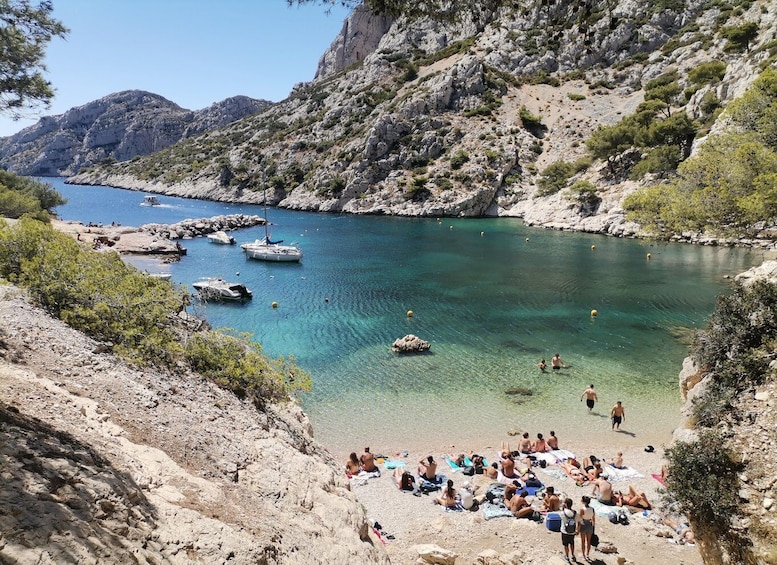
[{"x": 105, "y": 463}]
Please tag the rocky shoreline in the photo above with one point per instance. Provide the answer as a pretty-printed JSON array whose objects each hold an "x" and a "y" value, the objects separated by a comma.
[{"x": 154, "y": 239}]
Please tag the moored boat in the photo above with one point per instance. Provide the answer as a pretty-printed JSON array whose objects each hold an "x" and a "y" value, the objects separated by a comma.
[
  {"x": 266, "y": 250},
  {"x": 218, "y": 289},
  {"x": 221, "y": 237}
]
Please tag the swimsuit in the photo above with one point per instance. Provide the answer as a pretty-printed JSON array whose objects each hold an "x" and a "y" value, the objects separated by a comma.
[
  {"x": 616, "y": 419},
  {"x": 606, "y": 502},
  {"x": 589, "y": 402}
]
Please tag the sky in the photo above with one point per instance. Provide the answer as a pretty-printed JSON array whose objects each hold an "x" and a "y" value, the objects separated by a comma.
[{"x": 192, "y": 52}]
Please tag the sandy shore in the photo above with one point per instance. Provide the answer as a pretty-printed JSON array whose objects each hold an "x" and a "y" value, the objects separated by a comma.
[{"x": 413, "y": 520}]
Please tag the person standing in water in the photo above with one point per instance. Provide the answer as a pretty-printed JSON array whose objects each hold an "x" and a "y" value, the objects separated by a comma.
[
  {"x": 557, "y": 362},
  {"x": 618, "y": 415},
  {"x": 590, "y": 397}
]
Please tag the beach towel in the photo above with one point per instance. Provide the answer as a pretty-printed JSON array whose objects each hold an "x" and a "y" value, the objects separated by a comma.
[
  {"x": 457, "y": 508},
  {"x": 602, "y": 509},
  {"x": 393, "y": 464},
  {"x": 615, "y": 474},
  {"x": 555, "y": 472},
  {"x": 659, "y": 478},
  {"x": 491, "y": 510},
  {"x": 361, "y": 478},
  {"x": 452, "y": 464}
]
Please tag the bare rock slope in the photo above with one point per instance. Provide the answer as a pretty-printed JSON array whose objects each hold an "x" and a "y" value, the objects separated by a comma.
[{"x": 105, "y": 463}]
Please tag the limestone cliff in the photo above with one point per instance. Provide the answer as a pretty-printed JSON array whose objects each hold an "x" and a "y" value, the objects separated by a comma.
[
  {"x": 459, "y": 120},
  {"x": 106, "y": 463},
  {"x": 749, "y": 426},
  {"x": 117, "y": 127}
]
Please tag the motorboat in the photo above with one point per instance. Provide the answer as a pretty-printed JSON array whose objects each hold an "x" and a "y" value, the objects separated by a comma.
[
  {"x": 161, "y": 276},
  {"x": 221, "y": 237},
  {"x": 217, "y": 289},
  {"x": 266, "y": 250},
  {"x": 150, "y": 200}
]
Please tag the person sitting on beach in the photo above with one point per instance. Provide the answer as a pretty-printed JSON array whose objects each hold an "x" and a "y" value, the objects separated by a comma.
[
  {"x": 368, "y": 461},
  {"x": 542, "y": 365},
  {"x": 524, "y": 446},
  {"x": 557, "y": 362},
  {"x": 618, "y": 461},
  {"x": 352, "y": 466},
  {"x": 634, "y": 499},
  {"x": 531, "y": 480},
  {"x": 572, "y": 468},
  {"x": 539, "y": 446},
  {"x": 427, "y": 469},
  {"x": 552, "y": 440},
  {"x": 551, "y": 502},
  {"x": 404, "y": 479},
  {"x": 491, "y": 472},
  {"x": 478, "y": 464},
  {"x": 510, "y": 490},
  {"x": 589, "y": 463},
  {"x": 603, "y": 491},
  {"x": 508, "y": 468},
  {"x": 448, "y": 497},
  {"x": 519, "y": 506}
]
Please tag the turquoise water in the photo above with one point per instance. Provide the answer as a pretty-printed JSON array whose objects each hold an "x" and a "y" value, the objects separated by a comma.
[{"x": 491, "y": 302}]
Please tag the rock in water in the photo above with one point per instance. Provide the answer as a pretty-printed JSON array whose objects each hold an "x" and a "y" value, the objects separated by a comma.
[{"x": 410, "y": 344}]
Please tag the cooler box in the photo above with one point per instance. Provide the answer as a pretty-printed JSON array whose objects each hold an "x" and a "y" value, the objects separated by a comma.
[{"x": 553, "y": 521}]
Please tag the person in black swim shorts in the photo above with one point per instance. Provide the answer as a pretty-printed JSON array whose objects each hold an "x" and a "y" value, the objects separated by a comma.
[
  {"x": 618, "y": 415},
  {"x": 590, "y": 397}
]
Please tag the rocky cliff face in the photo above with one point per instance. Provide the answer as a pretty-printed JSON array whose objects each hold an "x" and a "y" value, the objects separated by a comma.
[
  {"x": 116, "y": 127},
  {"x": 426, "y": 119},
  {"x": 750, "y": 429},
  {"x": 105, "y": 463}
]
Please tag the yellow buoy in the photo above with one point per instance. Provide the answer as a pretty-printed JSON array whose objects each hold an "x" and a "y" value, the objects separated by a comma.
[
  {"x": 409, "y": 313},
  {"x": 594, "y": 313},
  {"x": 649, "y": 255},
  {"x": 274, "y": 304},
  {"x": 593, "y": 247}
]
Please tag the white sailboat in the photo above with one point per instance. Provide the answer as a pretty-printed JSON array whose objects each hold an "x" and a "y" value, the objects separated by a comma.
[{"x": 267, "y": 250}]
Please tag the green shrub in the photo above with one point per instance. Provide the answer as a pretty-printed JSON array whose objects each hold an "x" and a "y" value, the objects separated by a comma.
[
  {"x": 458, "y": 159},
  {"x": 100, "y": 295},
  {"x": 702, "y": 482},
  {"x": 528, "y": 119},
  {"x": 575, "y": 97},
  {"x": 554, "y": 178},
  {"x": 707, "y": 73},
  {"x": 739, "y": 37}
]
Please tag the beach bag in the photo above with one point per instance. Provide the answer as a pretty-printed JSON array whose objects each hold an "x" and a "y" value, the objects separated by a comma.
[
  {"x": 623, "y": 519},
  {"x": 594, "y": 540},
  {"x": 570, "y": 524}
]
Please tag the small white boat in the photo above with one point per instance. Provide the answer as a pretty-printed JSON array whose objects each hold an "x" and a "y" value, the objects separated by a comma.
[
  {"x": 221, "y": 237},
  {"x": 162, "y": 276},
  {"x": 219, "y": 289},
  {"x": 266, "y": 250},
  {"x": 150, "y": 201}
]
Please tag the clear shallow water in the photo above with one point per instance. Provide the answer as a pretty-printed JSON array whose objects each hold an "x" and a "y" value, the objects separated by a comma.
[{"x": 490, "y": 302}]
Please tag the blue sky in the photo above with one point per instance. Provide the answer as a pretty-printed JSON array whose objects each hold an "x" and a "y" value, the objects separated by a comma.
[{"x": 192, "y": 52}]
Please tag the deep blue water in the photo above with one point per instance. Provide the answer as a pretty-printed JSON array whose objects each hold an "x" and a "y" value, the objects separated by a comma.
[{"x": 491, "y": 295}]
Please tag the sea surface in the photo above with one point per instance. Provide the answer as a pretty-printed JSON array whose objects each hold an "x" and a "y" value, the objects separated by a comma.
[{"x": 492, "y": 296}]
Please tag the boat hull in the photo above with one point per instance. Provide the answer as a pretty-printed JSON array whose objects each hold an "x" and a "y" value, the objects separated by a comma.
[{"x": 276, "y": 255}]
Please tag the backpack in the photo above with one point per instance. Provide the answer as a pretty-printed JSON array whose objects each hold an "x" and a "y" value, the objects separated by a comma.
[{"x": 570, "y": 524}]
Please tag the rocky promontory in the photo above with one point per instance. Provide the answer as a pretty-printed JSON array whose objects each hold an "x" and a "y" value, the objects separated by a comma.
[{"x": 107, "y": 463}]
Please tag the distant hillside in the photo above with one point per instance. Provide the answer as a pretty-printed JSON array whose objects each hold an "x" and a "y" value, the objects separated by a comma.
[
  {"x": 425, "y": 119},
  {"x": 117, "y": 127}
]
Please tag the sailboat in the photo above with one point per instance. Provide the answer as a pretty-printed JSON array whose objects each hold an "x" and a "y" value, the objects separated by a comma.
[{"x": 267, "y": 250}]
